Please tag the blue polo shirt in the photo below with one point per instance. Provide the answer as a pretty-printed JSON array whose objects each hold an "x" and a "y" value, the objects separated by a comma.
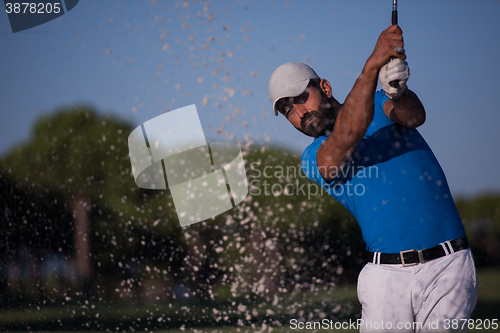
[{"x": 394, "y": 186}]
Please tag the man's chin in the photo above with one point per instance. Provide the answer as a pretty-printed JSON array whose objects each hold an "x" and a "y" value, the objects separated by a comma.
[
  {"x": 316, "y": 132},
  {"x": 312, "y": 132}
]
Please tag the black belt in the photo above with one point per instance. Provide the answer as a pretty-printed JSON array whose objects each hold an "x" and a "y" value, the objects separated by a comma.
[{"x": 414, "y": 257}]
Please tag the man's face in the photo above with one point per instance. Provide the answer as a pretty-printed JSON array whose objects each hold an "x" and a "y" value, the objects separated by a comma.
[{"x": 313, "y": 113}]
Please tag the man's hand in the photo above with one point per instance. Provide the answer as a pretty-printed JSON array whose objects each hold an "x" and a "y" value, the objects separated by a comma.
[
  {"x": 384, "y": 49},
  {"x": 395, "y": 70}
]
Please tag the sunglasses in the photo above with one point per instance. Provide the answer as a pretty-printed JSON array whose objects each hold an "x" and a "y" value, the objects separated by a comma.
[{"x": 285, "y": 104}]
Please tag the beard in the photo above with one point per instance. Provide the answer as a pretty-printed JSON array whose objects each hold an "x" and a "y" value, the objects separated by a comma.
[{"x": 319, "y": 122}]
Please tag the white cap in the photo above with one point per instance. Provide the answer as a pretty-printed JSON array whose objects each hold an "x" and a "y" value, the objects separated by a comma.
[{"x": 290, "y": 80}]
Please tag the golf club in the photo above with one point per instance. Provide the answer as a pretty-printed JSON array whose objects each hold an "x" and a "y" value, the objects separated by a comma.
[{"x": 395, "y": 83}]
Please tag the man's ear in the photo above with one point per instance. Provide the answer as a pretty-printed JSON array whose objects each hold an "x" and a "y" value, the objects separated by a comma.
[{"x": 326, "y": 87}]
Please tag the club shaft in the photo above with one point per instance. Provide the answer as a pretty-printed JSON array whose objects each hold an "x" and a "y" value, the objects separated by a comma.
[
  {"x": 394, "y": 83},
  {"x": 395, "y": 12}
]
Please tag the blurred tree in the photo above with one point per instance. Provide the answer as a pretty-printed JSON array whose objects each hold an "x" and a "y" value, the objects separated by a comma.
[
  {"x": 481, "y": 217},
  {"x": 32, "y": 226},
  {"x": 30, "y": 219},
  {"x": 84, "y": 157}
]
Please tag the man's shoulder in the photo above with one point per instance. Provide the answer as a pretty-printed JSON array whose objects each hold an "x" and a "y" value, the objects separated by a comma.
[{"x": 313, "y": 147}]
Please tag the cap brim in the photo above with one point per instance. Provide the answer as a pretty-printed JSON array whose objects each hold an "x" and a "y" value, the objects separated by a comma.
[{"x": 291, "y": 91}]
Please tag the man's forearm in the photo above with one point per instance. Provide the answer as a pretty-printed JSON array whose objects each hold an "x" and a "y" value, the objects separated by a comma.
[
  {"x": 408, "y": 111},
  {"x": 351, "y": 124},
  {"x": 357, "y": 111}
]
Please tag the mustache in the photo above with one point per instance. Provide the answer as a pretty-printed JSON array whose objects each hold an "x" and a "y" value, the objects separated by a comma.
[{"x": 308, "y": 116}]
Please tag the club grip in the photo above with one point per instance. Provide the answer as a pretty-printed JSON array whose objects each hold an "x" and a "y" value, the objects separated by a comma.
[{"x": 394, "y": 17}]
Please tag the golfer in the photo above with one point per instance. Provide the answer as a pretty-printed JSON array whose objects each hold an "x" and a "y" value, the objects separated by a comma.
[{"x": 368, "y": 155}]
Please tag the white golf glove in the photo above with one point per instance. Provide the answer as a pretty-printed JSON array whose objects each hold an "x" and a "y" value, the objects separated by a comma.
[{"x": 395, "y": 70}]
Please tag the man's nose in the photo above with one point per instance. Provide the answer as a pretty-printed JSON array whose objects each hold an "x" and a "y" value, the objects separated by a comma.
[{"x": 301, "y": 110}]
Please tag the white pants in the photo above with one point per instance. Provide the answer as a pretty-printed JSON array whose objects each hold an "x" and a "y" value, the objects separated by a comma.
[{"x": 421, "y": 298}]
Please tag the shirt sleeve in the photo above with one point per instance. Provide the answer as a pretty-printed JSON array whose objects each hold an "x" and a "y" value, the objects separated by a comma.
[
  {"x": 310, "y": 166},
  {"x": 380, "y": 99},
  {"x": 379, "y": 118}
]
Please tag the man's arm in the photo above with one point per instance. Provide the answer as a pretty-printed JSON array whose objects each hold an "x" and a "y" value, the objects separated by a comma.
[
  {"x": 408, "y": 111},
  {"x": 356, "y": 113}
]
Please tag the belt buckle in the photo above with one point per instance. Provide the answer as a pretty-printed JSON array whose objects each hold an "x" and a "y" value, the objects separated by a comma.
[{"x": 420, "y": 257}]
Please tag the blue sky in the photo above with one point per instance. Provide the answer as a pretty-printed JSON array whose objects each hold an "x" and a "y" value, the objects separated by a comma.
[{"x": 139, "y": 59}]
